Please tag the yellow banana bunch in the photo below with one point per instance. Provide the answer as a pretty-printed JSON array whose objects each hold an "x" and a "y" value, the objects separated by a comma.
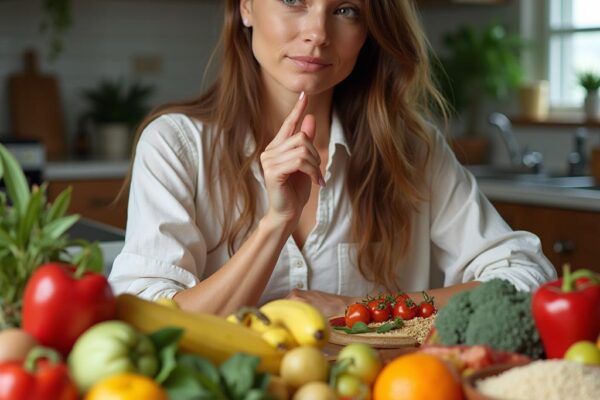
[
  {"x": 276, "y": 334},
  {"x": 306, "y": 324},
  {"x": 207, "y": 335}
]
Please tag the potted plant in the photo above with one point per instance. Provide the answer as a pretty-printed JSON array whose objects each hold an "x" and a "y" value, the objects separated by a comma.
[
  {"x": 115, "y": 108},
  {"x": 590, "y": 81},
  {"x": 478, "y": 66}
]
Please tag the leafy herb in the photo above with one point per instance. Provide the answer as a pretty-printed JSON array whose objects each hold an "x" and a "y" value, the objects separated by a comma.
[
  {"x": 33, "y": 232},
  {"x": 397, "y": 323},
  {"x": 361, "y": 327}
]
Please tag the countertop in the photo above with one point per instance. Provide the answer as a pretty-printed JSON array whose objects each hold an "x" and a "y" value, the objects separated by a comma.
[{"x": 568, "y": 198}]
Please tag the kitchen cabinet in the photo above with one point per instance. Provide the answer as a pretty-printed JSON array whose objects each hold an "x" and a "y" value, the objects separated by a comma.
[
  {"x": 568, "y": 236},
  {"x": 94, "y": 199}
]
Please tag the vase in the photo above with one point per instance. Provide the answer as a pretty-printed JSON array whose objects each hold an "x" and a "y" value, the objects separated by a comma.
[
  {"x": 591, "y": 105},
  {"x": 113, "y": 141}
]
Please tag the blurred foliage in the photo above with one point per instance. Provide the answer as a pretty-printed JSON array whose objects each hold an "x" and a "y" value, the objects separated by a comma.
[
  {"x": 589, "y": 80},
  {"x": 115, "y": 101},
  {"x": 57, "y": 19},
  {"x": 478, "y": 65}
]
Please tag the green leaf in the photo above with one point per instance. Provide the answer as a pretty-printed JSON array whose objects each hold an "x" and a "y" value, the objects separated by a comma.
[
  {"x": 58, "y": 227},
  {"x": 15, "y": 181},
  {"x": 166, "y": 342},
  {"x": 183, "y": 384},
  {"x": 397, "y": 323},
  {"x": 30, "y": 218},
  {"x": 6, "y": 239},
  {"x": 359, "y": 327},
  {"x": 238, "y": 373},
  {"x": 90, "y": 257},
  {"x": 206, "y": 373},
  {"x": 60, "y": 205}
]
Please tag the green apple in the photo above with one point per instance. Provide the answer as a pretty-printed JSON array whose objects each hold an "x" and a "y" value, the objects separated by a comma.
[
  {"x": 351, "y": 386},
  {"x": 365, "y": 364},
  {"x": 584, "y": 352}
]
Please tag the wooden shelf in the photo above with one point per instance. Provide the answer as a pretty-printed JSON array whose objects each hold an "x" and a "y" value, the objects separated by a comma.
[{"x": 555, "y": 122}]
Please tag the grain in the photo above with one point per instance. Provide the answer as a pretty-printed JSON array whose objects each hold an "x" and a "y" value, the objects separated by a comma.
[
  {"x": 417, "y": 328},
  {"x": 544, "y": 380}
]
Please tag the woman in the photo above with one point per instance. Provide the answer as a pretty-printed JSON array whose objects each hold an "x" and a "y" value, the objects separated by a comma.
[{"x": 235, "y": 199}]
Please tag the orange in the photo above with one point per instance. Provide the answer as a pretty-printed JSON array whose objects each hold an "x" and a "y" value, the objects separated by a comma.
[{"x": 417, "y": 376}]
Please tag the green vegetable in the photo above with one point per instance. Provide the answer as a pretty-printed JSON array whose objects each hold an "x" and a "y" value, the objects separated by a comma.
[
  {"x": 110, "y": 348},
  {"x": 493, "y": 314}
]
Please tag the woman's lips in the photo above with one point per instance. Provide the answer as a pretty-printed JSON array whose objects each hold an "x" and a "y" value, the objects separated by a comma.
[{"x": 309, "y": 64}]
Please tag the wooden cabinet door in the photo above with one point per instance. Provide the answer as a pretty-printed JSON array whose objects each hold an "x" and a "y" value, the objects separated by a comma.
[
  {"x": 567, "y": 236},
  {"x": 94, "y": 199}
]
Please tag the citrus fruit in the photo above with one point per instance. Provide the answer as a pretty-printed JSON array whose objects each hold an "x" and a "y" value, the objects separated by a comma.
[{"x": 417, "y": 376}]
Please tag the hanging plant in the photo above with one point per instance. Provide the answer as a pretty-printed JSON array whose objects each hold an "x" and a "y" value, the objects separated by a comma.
[{"x": 57, "y": 19}]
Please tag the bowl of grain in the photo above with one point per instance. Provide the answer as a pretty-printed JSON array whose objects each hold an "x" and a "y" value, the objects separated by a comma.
[{"x": 537, "y": 380}]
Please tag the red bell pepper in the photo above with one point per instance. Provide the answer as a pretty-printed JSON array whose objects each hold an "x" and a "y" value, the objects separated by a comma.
[
  {"x": 567, "y": 310},
  {"x": 41, "y": 376},
  {"x": 61, "y": 302}
]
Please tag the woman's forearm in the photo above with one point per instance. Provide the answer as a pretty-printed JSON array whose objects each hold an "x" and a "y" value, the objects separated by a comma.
[
  {"x": 243, "y": 278},
  {"x": 442, "y": 295}
]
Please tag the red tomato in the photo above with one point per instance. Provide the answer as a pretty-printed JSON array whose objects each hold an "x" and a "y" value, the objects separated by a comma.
[
  {"x": 380, "y": 314},
  {"x": 357, "y": 312},
  {"x": 400, "y": 297},
  {"x": 406, "y": 309},
  {"x": 426, "y": 309}
]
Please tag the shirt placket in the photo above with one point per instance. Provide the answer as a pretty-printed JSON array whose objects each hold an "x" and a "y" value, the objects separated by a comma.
[{"x": 298, "y": 266}]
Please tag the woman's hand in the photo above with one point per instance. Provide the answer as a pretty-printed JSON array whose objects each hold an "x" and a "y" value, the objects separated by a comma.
[
  {"x": 329, "y": 304},
  {"x": 290, "y": 162}
]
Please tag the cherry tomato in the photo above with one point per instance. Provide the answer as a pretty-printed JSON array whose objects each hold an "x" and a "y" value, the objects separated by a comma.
[
  {"x": 380, "y": 314},
  {"x": 406, "y": 309},
  {"x": 400, "y": 297},
  {"x": 357, "y": 312},
  {"x": 426, "y": 307},
  {"x": 426, "y": 310}
]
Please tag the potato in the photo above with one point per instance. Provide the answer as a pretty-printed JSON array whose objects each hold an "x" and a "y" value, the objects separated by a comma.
[{"x": 15, "y": 344}]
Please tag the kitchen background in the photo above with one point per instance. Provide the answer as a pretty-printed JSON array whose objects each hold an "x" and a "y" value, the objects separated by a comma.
[{"x": 166, "y": 44}]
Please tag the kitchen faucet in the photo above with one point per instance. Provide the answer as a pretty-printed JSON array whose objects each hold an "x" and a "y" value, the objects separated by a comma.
[
  {"x": 577, "y": 159},
  {"x": 529, "y": 160}
]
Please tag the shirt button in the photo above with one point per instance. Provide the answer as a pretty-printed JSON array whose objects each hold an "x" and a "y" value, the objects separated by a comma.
[
  {"x": 300, "y": 285},
  {"x": 298, "y": 264}
]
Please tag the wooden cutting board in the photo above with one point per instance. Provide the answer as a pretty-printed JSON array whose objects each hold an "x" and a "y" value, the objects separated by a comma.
[
  {"x": 376, "y": 340},
  {"x": 35, "y": 107}
]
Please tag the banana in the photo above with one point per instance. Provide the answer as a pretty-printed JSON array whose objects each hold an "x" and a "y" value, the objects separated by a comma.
[
  {"x": 279, "y": 337},
  {"x": 306, "y": 324},
  {"x": 168, "y": 302},
  {"x": 207, "y": 335}
]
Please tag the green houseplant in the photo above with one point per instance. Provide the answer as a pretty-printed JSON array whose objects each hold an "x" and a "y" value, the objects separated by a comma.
[
  {"x": 57, "y": 18},
  {"x": 115, "y": 108},
  {"x": 477, "y": 65},
  {"x": 590, "y": 81}
]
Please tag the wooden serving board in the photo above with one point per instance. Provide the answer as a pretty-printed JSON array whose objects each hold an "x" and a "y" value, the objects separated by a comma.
[
  {"x": 35, "y": 107},
  {"x": 389, "y": 340},
  {"x": 377, "y": 340}
]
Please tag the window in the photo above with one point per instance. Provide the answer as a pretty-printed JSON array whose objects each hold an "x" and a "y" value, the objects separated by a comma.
[{"x": 568, "y": 32}]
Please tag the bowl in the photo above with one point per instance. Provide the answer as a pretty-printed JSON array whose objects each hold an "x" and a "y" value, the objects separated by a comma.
[{"x": 469, "y": 382}]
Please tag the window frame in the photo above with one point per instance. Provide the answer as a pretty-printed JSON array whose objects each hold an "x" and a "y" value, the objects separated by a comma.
[{"x": 537, "y": 32}]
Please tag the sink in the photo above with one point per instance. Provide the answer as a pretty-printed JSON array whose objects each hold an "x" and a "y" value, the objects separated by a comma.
[{"x": 525, "y": 177}]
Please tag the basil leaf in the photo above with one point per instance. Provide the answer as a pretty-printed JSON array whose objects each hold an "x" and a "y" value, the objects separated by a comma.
[
  {"x": 389, "y": 326},
  {"x": 238, "y": 374},
  {"x": 360, "y": 327},
  {"x": 166, "y": 342}
]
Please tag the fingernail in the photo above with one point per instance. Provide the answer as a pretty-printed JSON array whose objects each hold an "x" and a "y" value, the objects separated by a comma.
[{"x": 301, "y": 95}]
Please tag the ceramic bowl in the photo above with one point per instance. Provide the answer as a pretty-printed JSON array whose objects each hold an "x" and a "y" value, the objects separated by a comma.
[{"x": 469, "y": 382}]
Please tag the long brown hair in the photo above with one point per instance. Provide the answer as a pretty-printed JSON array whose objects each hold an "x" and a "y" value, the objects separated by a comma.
[{"x": 382, "y": 105}]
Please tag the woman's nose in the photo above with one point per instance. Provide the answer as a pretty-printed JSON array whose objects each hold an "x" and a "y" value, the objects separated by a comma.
[{"x": 315, "y": 29}]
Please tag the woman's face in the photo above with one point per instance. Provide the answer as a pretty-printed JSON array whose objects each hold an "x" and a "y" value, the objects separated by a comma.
[{"x": 305, "y": 45}]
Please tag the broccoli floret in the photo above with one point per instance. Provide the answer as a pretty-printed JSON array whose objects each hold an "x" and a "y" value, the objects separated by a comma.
[
  {"x": 493, "y": 314},
  {"x": 506, "y": 325},
  {"x": 452, "y": 320}
]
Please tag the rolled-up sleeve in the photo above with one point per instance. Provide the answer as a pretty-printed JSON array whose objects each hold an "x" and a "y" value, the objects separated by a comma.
[
  {"x": 164, "y": 249},
  {"x": 470, "y": 241}
]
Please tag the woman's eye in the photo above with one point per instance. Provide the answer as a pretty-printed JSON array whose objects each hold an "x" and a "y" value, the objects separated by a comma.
[
  {"x": 291, "y": 3},
  {"x": 350, "y": 12}
]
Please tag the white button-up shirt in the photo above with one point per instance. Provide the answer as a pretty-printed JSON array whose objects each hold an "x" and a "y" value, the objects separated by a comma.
[{"x": 457, "y": 236}]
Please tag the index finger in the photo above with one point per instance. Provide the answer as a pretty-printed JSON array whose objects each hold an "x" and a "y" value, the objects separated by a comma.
[{"x": 290, "y": 124}]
